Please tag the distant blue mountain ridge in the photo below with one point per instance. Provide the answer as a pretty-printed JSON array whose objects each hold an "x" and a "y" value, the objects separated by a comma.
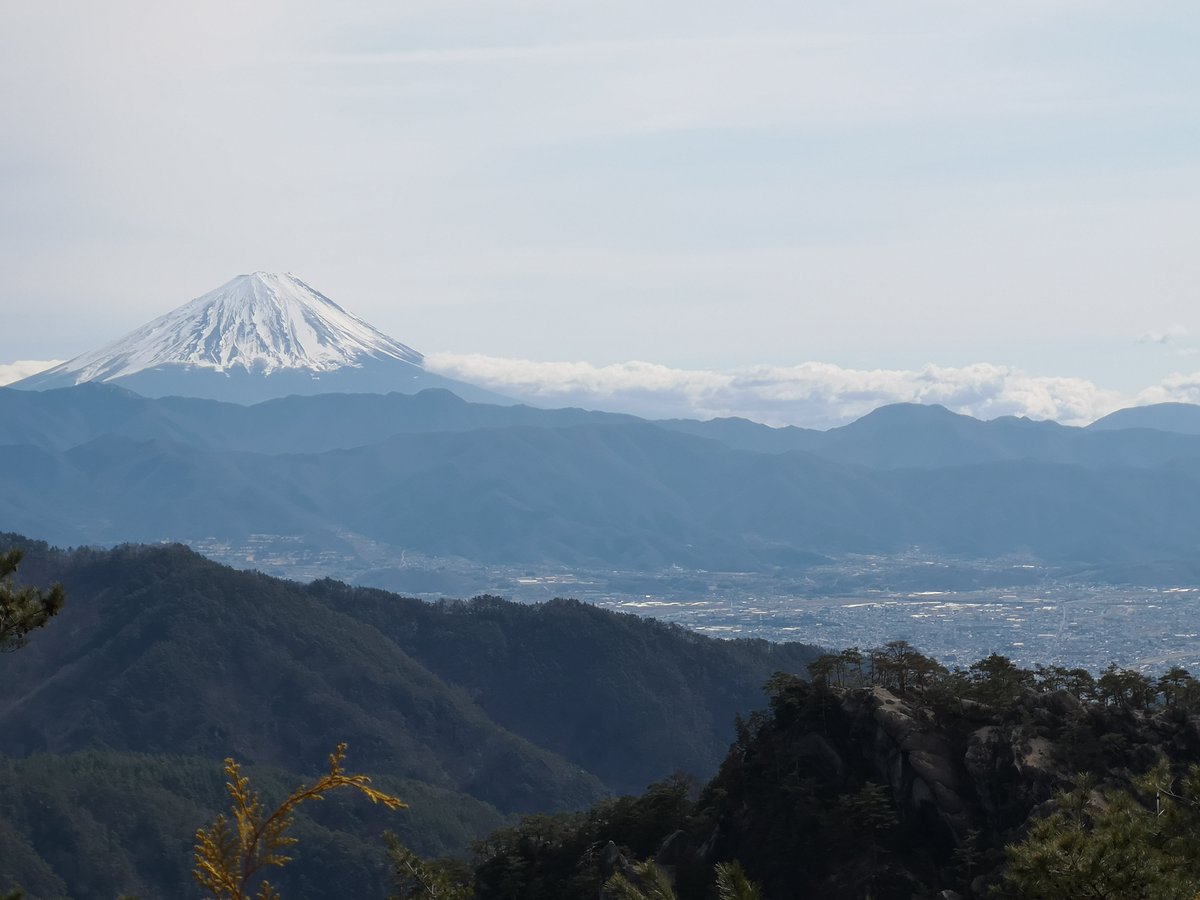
[{"x": 515, "y": 485}]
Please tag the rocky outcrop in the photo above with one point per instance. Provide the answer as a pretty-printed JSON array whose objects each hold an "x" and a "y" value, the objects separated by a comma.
[
  {"x": 613, "y": 862},
  {"x": 922, "y": 769},
  {"x": 799, "y": 801},
  {"x": 972, "y": 767}
]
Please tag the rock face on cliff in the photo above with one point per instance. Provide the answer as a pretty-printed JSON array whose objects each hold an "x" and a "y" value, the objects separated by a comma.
[
  {"x": 983, "y": 769},
  {"x": 804, "y": 796},
  {"x": 898, "y": 743}
]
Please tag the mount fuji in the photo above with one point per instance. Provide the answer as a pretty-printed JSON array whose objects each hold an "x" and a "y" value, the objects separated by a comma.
[{"x": 258, "y": 337}]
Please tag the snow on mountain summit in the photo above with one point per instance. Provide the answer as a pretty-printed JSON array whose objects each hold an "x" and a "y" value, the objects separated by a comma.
[
  {"x": 262, "y": 323},
  {"x": 260, "y": 337}
]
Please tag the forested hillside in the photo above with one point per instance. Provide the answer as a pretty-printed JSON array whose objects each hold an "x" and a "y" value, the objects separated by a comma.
[
  {"x": 627, "y": 698},
  {"x": 99, "y": 824},
  {"x": 164, "y": 663}
]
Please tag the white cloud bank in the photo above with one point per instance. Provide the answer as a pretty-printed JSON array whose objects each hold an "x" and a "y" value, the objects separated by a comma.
[
  {"x": 1178, "y": 388},
  {"x": 813, "y": 394},
  {"x": 23, "y": 368}
]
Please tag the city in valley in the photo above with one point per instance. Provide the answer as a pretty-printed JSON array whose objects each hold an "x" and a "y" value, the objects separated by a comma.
[{"x": 955, "y": 610}]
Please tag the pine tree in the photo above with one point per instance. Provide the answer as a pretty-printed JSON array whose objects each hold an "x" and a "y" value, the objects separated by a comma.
[
  {"x": 420, "y": 879},
  {"x": 23, "y": 609},
  {"x": 867, "y": 817},
  {"x": 965, "y": 861},
  {"x": 1110, "y": 846}
]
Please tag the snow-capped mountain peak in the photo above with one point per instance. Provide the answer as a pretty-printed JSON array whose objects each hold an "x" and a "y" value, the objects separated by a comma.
[
  {"x": 262, "y": 323},
  {"x": 260, "y": 337}
]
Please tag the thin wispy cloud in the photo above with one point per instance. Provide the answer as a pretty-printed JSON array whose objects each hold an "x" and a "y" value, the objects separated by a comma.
[
  {"x": 577, "y": 51},
  {"x": 1172, "y": 333}
]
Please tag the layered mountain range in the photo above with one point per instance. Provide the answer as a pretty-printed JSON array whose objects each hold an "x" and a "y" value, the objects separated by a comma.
[
  {"x": 513, "y": 485},
  {"x": 352, "y": 444}
]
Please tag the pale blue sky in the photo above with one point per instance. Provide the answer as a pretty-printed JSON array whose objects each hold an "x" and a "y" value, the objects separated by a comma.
[{"x": 875, "y": 185}]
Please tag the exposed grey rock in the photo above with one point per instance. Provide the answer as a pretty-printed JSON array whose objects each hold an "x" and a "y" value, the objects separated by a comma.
[
  {"x": 612, "y": 862},
  {"x": 1062, "y": 703},
  {"x": 917, "y": 763}
]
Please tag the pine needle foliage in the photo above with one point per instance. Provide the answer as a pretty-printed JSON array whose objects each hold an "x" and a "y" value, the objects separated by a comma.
[
  {"x": 732, "y": 883},
  {"x": 231, "y": 855},
  {"x": 421, "y": 879},
  {"x": 652, "y": 884},
  {"x": 1114, "y": 844},
  {"x": 23, "y": 609}
]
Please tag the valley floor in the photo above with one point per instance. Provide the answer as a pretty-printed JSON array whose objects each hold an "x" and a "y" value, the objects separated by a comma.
[{"x": 955, "y": 610}]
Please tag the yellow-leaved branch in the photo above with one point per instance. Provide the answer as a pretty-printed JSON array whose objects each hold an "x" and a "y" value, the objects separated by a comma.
[{"x": 230, "y": 857}]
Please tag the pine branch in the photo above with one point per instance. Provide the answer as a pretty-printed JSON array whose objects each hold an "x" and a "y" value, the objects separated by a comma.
[
  {"x": 227, "y": 862},
  {"x": 732, "y": 883}
]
